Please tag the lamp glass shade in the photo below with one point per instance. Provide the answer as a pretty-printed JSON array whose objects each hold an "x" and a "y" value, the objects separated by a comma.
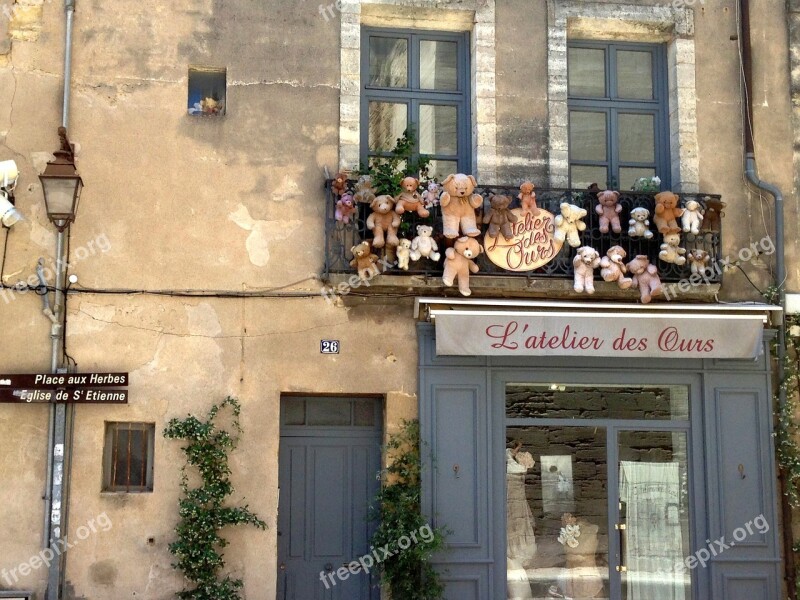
[{"x": 61, "y": 195}]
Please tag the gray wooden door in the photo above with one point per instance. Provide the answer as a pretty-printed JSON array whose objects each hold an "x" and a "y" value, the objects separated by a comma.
[{"x": 328, "y": 476}]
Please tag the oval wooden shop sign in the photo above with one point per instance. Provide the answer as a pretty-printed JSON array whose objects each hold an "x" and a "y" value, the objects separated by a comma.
[{"x": 531, "y": 246}]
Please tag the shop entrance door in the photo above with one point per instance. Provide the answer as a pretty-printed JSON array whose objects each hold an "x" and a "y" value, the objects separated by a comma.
[
  {"x": 329, "y": 464},
  {"x": 598, "y": 494}
]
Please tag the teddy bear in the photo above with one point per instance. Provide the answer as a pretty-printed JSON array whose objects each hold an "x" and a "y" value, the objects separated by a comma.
[
  {"x": 612, "y": 267},
  {"x": 639, "y": 223},
  {"x": 527, "y": 198},
  {"x": 339, "y": 184},
  {"x": 667, "y": 211},
  {"x": 608, "y": 208},
  {"x": 345, "y": 208},
  {"x": 645, "y": 277},
  {"x": 569, "y": 223},
  {"x": 403, "y": 253},
  {"x": 458, "y": 205},
  {"x": 365, "y": 194},
  {"x": 499, "y": 217},
  {"x": 671, "y": 250},
  {"x": 698, "y": 261},
  {"x": 585, "y": 262},
  {"x": 458, "y": 263},
  {"x": 713, "y": 215},
  {"x": 409, "y": 199},
  {"x": 424, "y": 244},
  {"x": 383, "y": 221},
  {"x": 364, "y": 260},
  {"x": 692, "y": 217},
  {"x": 430, "y": 197}
]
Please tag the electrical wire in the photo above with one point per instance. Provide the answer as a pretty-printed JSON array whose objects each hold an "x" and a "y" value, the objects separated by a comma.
[{"x": 5, "y": 253}]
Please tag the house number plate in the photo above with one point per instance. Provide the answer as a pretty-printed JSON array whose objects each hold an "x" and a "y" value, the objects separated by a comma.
[{"x": 329, "y": 346}]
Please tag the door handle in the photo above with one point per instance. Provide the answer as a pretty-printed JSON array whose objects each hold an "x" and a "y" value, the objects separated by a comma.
[
  {"x": 328, "y": 567},
  {"x": 622, "y": 569},
  {"x": 283, "y": 567}
]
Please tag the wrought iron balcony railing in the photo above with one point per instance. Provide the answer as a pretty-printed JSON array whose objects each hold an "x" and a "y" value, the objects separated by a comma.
[{"x": 340, "y": 237}]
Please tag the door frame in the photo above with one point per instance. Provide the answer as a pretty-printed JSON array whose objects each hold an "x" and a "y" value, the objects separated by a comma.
[{"x": 499, "y": 378}]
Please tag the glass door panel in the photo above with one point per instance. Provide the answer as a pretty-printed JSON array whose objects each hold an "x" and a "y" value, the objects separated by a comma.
[
  {"x": 654, "y": 515},
  {"x": 557, "y": 512}
]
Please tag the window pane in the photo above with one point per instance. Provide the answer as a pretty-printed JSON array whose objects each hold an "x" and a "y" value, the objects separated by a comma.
[
  {"x": 583, "y": 176},
  {"x": 387, "y": 122},
  {"x": 364, "y": 413},
  {"x": 388, "y": 62},
  {"x": 440, "y": 169},
  {"x": 328, "y": 412},
  {"x": 637, "y": 141},
  {"x": 137, "y": 459},
  {"x": 587, "y": 135},
  {"x": 629, "y": 175},
  {"x": 438, "y": 129},
  {"x": 587, "y": 72},
  {"x": 438, "y": 65},
  {"x": 635, "y": 75},
  {"x": 293, "y": 411}
]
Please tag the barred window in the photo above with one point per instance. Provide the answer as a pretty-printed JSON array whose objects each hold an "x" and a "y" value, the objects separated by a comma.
[{"x": 128, "y": 457}]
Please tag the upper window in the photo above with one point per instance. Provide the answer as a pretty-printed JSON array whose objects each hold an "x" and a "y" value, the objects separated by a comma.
[
  {"x": 617, "y": 114},
  {"x": 418, "y": 80},
  {"x": 128, "y": 457}
]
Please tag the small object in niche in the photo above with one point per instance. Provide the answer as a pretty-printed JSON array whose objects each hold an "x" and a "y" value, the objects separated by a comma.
[
  {"x": 645, "y": 278},
  {"x": 430, "y": 197},
  {"x": 458, "y": 263},
  {"x": 339, "y": 184},
  {"x": 458, "y": 206},
  {"x": 671, "y": 251},
  {"x": 210, "y": 106},
  {"x": 713, "y": 216},
  {"x": 383, "y": 222},
  {"x": 585, "y": 262},
  {"x": 424, "y": 245},
  {"x": 409, "y": 199},
  {"x": 345, "y": 207},
  {"x": 403, "y": 253},
  {"x": 639, "y": 223},
  {"x": 569, "y": 223},
  {"x": 692, "y": 217},
  {"x": 499, "y": 216},
  {"x": 608, "y": 208},
  {"x": 612, "y": 267},
  {"x": 527, "y": 198},
  {"x": 667, "y": 211},
  {"x": 698, "y": 261},
  {"x": 365, "y": 194},
  {"x": 364, "y": 260}
]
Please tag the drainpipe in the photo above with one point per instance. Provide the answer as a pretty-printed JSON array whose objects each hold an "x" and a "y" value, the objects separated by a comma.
[
  {"x": 56, "y": 506},
  {"x": 751, "y": 172}
]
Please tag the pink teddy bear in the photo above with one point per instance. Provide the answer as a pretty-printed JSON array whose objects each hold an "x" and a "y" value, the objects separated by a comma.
[{"x": 345, "y": 207}]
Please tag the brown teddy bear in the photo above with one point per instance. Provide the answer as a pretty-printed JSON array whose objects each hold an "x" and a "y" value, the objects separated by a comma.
[
  {"x": 458, "y": 205},
  {"x": 585, "y": 262},
  {"x": 364, "y": 260},
  {"x": 645, "y": 277},
  {"x": 667, "y": 212},
  {"x": 364, "y": 192},
  {"x": 499, "y": 217},
  {"x": 339, "y": 184},
  {"x": 612, "y": 267},
  {"x": 383, "y": 221},
  {"x": 608, "y": 209},
  {"x": 698, "y": 261},
  {"x": 458, "y": 263},
  {"x": 527, "y": 198},
  {"x": 409, "y": 199},
  {"x": 713, "y": 216}
]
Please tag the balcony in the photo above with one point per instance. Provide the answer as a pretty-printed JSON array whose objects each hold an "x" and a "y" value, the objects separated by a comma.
[{"x": 552, "y": 280}]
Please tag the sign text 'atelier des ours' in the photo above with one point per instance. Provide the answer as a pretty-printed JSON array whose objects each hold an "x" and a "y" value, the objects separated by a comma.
[{"x": 77, "y": 388}]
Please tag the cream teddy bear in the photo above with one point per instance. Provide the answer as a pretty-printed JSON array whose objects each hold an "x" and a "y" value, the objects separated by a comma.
[{"x": 569, "y": 223}]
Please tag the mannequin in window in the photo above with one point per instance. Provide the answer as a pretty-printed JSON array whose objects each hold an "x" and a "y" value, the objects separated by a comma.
[
  {"x": 521, "y": 546},
  {"x": 582, "y": 579}
]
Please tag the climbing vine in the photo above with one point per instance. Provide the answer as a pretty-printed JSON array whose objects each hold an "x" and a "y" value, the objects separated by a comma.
[
  {"x": 198, "y": 549},
  {"x": 408, "y": 573}
]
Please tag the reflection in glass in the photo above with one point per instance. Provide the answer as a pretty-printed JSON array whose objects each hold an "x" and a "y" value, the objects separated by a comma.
[
  {"x": 557, "y": 528},
  {"x": 637, "y": 141},
  {"x": 582, "y": 176},
  {"x": 587, "y": 76},
  {"x": 654, "y": 504},
  {"x": 438, "y": 65},
  {"x": 440, "y": 169},
  {"x": 438, "y": 129},
  {"x": 587, "y": 135},
  {"x": 388, "y": 62},
  {"x": 634, "y": 75},
  {"x": 387, "y": 122},
  {"x": 327, "y": 412},
  {"x": 629, "y": 175}
]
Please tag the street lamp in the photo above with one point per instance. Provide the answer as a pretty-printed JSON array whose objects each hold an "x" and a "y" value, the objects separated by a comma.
[{"x": 62, "y": 185}]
